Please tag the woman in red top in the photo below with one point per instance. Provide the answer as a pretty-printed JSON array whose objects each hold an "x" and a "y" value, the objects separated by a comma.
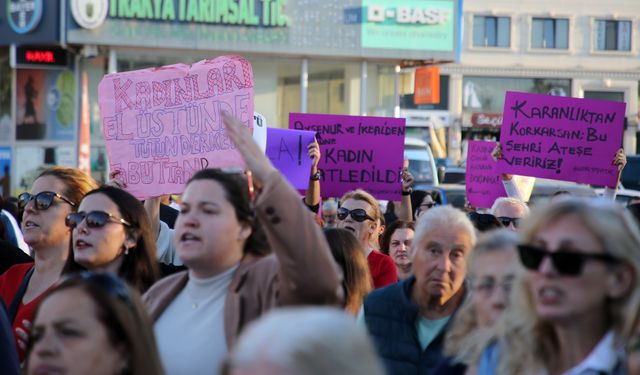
[{"x": 54, "y": 194}]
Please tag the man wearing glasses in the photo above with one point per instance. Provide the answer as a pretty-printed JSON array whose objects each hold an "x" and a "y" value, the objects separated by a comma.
[{"x": 509, "y": 211}]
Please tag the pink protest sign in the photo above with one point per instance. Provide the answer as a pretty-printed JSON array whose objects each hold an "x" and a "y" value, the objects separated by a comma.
[
  {"x": 483, "y": 182},
  {"x": 357, "y": 152},
  {"x": 561, "y": 138},
  {"x": 161, "y": 125},
  {"x": 287, "y": 150}
]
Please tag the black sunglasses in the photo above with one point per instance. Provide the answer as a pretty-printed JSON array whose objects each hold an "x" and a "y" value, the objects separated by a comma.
[
  {"x": 566, "y": 262},
  {"x": 95, "y": 219},
  {"x": 43, "y": 200},
  {"x": 357, "y": 214},
  {"x": 508, "y": 220},
  {"x": 481, "y": 218}
]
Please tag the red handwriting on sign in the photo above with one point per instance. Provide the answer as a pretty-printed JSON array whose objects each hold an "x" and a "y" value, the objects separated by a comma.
[{"x": 40, "y": 56}]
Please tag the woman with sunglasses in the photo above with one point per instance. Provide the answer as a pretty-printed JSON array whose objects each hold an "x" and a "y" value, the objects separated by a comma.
[
  {"x": 576, "y": 298},
  {"x": 54, "y": 194},
  {"x": 359, "y": 213},
  {"x": 229, "y": 281},
  {"x": 422, "y": 201},
  {"x": 111, "y": 232},
  {"x": 396, "y": 242},
  {"x": 92, "y": 323}
]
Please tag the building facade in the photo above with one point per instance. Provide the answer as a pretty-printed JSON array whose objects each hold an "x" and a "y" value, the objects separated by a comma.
[
  {"x": 579, "y": 48},
  {"x": 334, "y": 56}
]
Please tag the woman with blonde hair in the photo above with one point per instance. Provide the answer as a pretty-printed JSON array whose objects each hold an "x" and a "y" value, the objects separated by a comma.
[
  {"x": 576, "y": 297},
  {"x": 492, "y": 267},
  {"x": 56, "y": 193}
]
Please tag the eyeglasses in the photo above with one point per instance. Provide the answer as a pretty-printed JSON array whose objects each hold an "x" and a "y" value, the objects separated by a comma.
[
  {"x": 488, "y": 285},
  {"x": 481, "y": 218},
  {"x": 566, "y": 262},
  {"x": 357, "y": 214},
  {"x": 505, "y": 220},
  {"x": 95, "y": 219},
  {"x": 43, "y": 200}
]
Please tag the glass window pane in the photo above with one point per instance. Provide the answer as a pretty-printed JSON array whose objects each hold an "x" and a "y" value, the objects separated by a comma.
[
  {"x": 548, "y": 33},
  {"x": 490, "y": 32},
  {"x": 624, "y": 35},
  {"x": 537, "y": 35},
  {"x": 478, "y": 31},
  {"x": 504, "y": 32},
  {"x": 601, "y": 34},
  {"x": 562, "y": 33},
  {"x": 611, "y": 39}
]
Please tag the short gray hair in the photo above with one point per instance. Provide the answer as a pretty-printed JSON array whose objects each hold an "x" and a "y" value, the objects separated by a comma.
[
  {"x": 509, "y": 200},
  {"x": 443, "y": 217},
  {"x": 324, "y": 341}
]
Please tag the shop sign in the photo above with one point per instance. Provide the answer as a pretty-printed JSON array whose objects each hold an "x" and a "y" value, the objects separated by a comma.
[
  {"x": 427, "y": 86},
  {"x": 265, "y": 13},
  {"x": 24, "y": 15},
  {"x": 89, "y": 14},
  {"x": 39, "y": 57},
  {"x": 483, "y": 120},
  {"x": 409, "y": 24}
]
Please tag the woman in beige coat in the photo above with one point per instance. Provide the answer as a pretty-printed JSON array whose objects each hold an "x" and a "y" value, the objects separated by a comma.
[{"x": 199, "y": 313}]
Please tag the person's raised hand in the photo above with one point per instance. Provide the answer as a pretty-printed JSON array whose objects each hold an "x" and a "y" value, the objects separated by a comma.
[
  {"x": 116, "y": 180},
  {"x": 620, "y": 160},
  {"x": 407, "y": 180},
  {"x": 496, "y": 154},
  {"x": 313, "y": 150},
  {"x": 257, "y": 162}
]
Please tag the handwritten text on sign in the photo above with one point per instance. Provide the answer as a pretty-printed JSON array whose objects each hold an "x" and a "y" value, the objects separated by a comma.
[
  {"x": 561, "y": 138},
  {"x": 287, "y": 150},
  {"x": 483, "y": 182},
  {"x": 161, "y": 125},
  {"x": 357, "y": 152}
]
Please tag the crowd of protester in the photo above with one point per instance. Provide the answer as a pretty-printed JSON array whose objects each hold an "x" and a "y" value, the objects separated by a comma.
[{"x": 250, "y": 278}]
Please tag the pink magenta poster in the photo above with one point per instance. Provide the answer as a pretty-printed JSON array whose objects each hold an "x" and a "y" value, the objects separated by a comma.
[
  {"x": 561, "y": 138},
  {"x": 357, "y": 152},
  {"x": 483, "y": 184},
  {"x": 161, "y": 125}
]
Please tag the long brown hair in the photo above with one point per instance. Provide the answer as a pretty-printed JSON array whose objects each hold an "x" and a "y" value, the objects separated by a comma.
[{"x": 348, "y": 253}]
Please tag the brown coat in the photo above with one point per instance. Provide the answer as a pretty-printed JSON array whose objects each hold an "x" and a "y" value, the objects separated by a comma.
[{"x": 301, "y": 270}]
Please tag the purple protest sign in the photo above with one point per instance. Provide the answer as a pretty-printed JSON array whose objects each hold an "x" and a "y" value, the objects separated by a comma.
[
  {"x": 162, "y": 125},
  {"x": 561, "y": 138},
  {"x": 483, "y": 182},
  {"x": 287, "y": 150},
  {"x": 357, "y": 152}
]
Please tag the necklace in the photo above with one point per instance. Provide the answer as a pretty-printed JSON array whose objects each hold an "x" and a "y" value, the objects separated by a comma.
[{"x": 195, "y": 302}]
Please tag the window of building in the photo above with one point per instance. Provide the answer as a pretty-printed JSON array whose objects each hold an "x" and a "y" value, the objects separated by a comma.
[
  {"x": 491, "y": 31},
  {"x": 550, "y": 33},
  {"x": 613, "y": 35}
]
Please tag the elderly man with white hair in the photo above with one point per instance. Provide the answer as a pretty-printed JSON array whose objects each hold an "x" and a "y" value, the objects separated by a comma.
[
  {"x": 304, "y": 341},
  {"x": 509, "y": 211},
  {"x": 408, "y": 320}
]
